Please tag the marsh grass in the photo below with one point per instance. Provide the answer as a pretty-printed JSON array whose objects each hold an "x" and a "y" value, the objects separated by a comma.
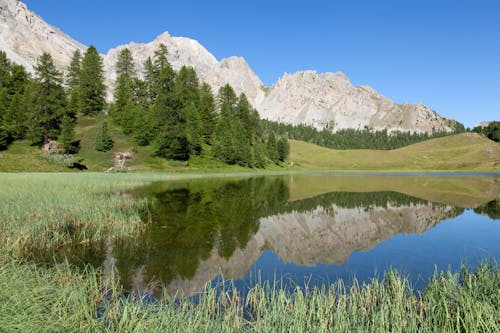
[
  {"x": 61, "y": 299},
  {"x": 42, "y": 213}
]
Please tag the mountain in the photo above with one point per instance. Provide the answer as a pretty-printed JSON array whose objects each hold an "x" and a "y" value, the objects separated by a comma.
[
  {"x": 325, "y": 100},
  {"x": 24, "y": 36}
]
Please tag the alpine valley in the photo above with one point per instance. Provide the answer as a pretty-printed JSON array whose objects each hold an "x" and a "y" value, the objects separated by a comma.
[{"x": 322, "y": 100}]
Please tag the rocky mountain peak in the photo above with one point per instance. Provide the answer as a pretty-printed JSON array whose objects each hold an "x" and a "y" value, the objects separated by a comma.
[
  {"x": 318, "y": 99},
  {"x": 24, "y": 36}
]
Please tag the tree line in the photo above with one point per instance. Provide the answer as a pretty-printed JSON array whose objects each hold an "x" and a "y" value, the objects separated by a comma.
[
  {"x": 46, "y": 106},
  {"x": 491, "y": 131},
  {"x": 166, "y": 109},
  {"x": 352, "y": 138}
]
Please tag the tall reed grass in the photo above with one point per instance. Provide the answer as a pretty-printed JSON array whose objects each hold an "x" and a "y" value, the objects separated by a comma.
[{"x": 60, "y": 299}]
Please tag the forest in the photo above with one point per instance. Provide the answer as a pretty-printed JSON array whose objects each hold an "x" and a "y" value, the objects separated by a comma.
[{"x": 170, "y": 110}]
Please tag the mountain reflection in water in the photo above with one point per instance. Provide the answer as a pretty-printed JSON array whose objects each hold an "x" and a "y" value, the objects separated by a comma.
[{"x": 201, "y": 229}]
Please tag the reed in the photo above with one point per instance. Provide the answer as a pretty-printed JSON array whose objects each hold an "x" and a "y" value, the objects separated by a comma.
[{"x": 62, "y": 299}]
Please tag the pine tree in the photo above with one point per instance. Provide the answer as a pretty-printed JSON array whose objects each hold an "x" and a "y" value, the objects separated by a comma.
[
  {"x": 49, "y": 101},
  {"x": 160, "y": 57},
  {"x": 122, "y": 110},
  {"x": 103, "y": 141},
  {"x": 125, "y": 64},
  {"x": 225, "y": 138},
  {"x": 283, "y": 148},
  {"x": 15, "y": 117},
  {"x": 208, "y": 114},
  {"x": 272, "y": 149},
  {"x": 73, "y": 81},
  {"x": 149, "y": 79},
  {"x": 5, "y": 66},
  {"x": 67, "y": 136},
  {"x": 92, "y": 89}
]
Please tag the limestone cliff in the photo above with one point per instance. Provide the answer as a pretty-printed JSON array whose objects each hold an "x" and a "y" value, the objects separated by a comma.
[{"x": 325, "y": 100}]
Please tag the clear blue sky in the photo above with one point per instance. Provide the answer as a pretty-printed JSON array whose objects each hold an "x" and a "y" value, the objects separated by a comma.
[{"x": 443, "y": 53}]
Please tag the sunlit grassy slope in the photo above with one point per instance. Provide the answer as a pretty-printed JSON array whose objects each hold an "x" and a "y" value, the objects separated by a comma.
[
  {"x": 22, "y": 157},
  {"x": 462, "y": 152}
]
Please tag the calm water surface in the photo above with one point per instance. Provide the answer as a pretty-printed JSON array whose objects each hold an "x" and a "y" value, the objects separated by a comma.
[{"x": 307, "y": 230}]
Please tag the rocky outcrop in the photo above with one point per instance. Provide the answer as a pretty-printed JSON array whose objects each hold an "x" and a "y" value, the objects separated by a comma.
[
  {"x": 325, "y": 100},
  {"x": 329, "y": 100},
  {"x": 24, "y": 36}
]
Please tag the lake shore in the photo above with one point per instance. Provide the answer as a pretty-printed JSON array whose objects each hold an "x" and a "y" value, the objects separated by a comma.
[{"x": 40, "y": 291}]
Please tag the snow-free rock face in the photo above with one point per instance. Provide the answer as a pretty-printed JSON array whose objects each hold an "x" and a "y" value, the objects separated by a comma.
[
  {"x": 188, "y": 52},
  {"x": 24, "y": 36},
  {"x": 325, "y": 100},
  {"x": 329, "y": 100}
]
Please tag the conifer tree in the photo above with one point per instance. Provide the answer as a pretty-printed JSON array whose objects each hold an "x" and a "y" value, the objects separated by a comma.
[
  {"x": 283, "y": 148},
  {"x": 149, "y": 79},
  {"x": 103, "y": 141},
  {"x": 73, "y": 78},
  {"x": 208, "y": 114},
  {"x": 49, "y": 101},
  {"x": 272, "y": 148},
  {"x": 125, "y": 64},
  {"x": 92, "y": 89},
  {"x": 225, "y": 144},
  {"x": 67, "y": 136}
]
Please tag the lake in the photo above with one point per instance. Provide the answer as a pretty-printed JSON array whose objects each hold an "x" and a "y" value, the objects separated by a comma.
[{"x": 305, "y": 230}]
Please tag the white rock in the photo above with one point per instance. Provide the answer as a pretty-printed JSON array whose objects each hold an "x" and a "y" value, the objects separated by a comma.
[{"x": 321, "y": 100}]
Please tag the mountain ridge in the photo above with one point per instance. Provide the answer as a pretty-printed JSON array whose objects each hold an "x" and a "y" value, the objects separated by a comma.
[{"x": 322, "y": 100}]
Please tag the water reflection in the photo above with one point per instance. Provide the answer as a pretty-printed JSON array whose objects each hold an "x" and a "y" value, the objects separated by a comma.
[{"x": 201, "y": 229}]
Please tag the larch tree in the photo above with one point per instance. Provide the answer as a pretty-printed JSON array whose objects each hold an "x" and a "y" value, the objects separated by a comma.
[
  {"x": 49, "y": 101},
  {"x": 92, "y": 89},
  {"x": 73, "y": 79}
]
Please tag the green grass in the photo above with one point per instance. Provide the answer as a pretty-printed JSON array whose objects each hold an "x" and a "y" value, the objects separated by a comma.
[
  {"x": 62, "y": 299},
  {"x": 41, "y": 213},
  {"x": 462, "y": 152}
]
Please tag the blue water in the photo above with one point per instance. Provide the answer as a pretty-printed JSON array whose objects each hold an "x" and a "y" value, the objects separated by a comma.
[
  {"x": 467, "y": 239},
  {"x": 253, "y": 230}
]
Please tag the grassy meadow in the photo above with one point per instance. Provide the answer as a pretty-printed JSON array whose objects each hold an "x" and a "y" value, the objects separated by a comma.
[{"x": 463, "y": 152}]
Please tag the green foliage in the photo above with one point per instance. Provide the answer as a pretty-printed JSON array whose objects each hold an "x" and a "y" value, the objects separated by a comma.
[
  {"x": 67, "y": 137},
  {"x": 125, "y": 64},
  {"x": 283, "y": 148},
  {"x": 492, "y": 131},
  {"x": 48, "y": 102},
  {"x": 350, "y": 138},
  {"x": 4, "y": 139},
  {"x": 272, "y": 148},
  {"x": 238, "y": 134},
  {"x": 73, "y": 81},
  {"x": 92, "y": 90},
  {"x": 103, "y": 141},
  {"x": 208, "y": 114}
]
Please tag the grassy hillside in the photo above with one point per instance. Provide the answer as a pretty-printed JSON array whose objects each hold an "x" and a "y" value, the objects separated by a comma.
[
  {"x": 461, "y": 152},
  {"x": 22, "y": 157}
]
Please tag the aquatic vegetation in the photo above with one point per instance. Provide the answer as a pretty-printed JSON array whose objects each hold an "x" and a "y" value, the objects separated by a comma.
[{"x": 63, "y": 299}]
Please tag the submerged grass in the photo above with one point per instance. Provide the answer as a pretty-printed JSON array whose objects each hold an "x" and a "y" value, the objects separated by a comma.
[{"x": 61, "y": 299}]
